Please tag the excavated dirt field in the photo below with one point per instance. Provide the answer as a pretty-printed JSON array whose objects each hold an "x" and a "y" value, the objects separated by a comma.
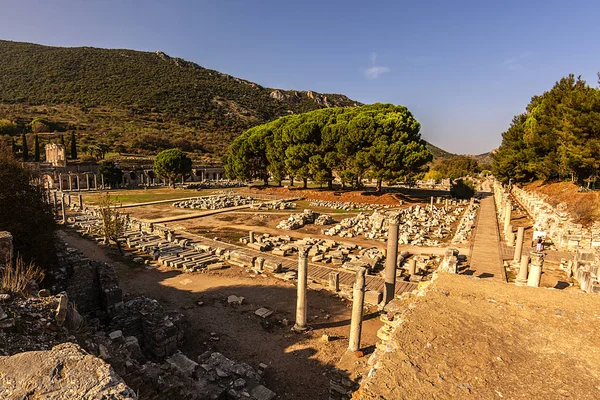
[
  {"x": 298, "y": 364},
  {"x": 471, "y": 338}
]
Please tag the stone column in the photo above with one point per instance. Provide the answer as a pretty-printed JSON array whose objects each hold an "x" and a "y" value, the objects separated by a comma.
[
  {"x": 535, "y": 271},
  {"x": 64, "y": 210},
  {"x": 412, "y": 266},
  {"x": 69, "y": 200},
  {"x": 95, "y": 181},
  {"x": 507, "y": 213},
  {"x": 55, "y": 200},
  {"x": 510, "y": 236},
  {"x": 334, "y": 281},
  {"x": 60, "y": 182},
  {"x": 251, "y": 237},
  {"x": 358, "y": 301},
  {"x": 431, "y": 204},
  {"x": 390, "y": 261},
  {"x": 522, "y": 277},
  {"x": 81, "y": 202},
  {"x": 519, "y": 244},
  {"x": 102, "y": 178},
  {"x": 70, "y": 183},
  {"x": 301, "y": 298}
]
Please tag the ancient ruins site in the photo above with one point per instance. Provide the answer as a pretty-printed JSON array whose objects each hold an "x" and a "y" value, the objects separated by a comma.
[{"x": 365, "y": 202}]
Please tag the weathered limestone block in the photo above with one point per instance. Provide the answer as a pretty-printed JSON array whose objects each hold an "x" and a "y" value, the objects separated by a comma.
[{"x": 65, "y": 372}]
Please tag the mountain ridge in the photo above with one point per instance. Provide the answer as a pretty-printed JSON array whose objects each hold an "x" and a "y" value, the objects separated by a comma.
[{"x": 140, "y": 101}]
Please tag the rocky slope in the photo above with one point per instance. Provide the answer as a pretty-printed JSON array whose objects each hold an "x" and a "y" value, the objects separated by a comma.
[{"x": 65, "y": 372}]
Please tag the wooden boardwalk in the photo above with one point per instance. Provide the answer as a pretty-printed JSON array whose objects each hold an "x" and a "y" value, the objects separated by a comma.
[{"x": 486, "y": 257}]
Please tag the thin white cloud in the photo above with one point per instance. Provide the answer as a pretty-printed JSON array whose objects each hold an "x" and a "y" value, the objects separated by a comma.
[
  {"x": 374, "y": 71},
  {"x": 516, "y": 63}
]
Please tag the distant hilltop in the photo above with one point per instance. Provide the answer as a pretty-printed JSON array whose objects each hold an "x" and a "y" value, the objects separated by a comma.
[
  {"x": 98, "y": 89},
  {"x": 141, "y": 102}
]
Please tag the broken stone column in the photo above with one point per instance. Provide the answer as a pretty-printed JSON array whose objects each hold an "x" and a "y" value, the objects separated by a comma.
[
  {"x": 431, "y": 204},
  {"x": 390, "y": 261},
  {"x": 334, "y": 281},
  {"x": 507, "y": 215},
  {"x": 301, "y": 297},
  {"x": 6, "y": 247},
  {"x": 519, "y": 244},
  {"x": 251, "y": 237},
  {"x": 81, "y": 202},
  {"x": 535, "y": 270},
  {"x": 522, "y": 277},
  {"x": 510, "y": 236},
  {"x": 412, "y": 266},
  {"x": 358, "y": 301}
]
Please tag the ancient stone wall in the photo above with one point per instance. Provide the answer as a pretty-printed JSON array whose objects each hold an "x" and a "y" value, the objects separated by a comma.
[
  {"x": 6, "y": 247},
  {"x": 91, "y": 285}
]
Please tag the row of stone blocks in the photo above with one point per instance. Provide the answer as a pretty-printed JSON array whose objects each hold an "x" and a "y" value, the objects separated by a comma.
[{"x": 174, "y": 255}]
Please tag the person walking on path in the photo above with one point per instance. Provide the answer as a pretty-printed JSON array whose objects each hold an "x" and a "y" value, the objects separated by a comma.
[{"x": 540, "y": 246}]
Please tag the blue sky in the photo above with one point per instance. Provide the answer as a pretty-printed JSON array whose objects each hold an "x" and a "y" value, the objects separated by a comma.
[{"x": 464, "y": 68}]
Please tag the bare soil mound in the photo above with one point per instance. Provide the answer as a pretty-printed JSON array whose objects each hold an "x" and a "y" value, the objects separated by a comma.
[
  {"x": 583, "y": 206},
  {"x": 471, "y": 338}
]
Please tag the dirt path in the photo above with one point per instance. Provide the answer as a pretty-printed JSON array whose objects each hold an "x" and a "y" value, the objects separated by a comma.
[{"x": 298, "y": 363}]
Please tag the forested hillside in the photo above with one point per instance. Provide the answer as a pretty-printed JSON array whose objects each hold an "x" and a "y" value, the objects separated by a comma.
[
  {"x": 138, "y": 101},
  {"x": 557, "y": 138}
]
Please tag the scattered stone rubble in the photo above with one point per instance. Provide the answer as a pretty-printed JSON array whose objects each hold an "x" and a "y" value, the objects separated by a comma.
[
  {"x": 297, "y": 221},
  {"x": 419, "y": 226},
  {"x": 324, "y": 219},
  {"x": 214, "y": 202},
  {"x": 273, "y": 205},
  {"x": 137, "y": 338},
  {"x": 347, "y": 205}
]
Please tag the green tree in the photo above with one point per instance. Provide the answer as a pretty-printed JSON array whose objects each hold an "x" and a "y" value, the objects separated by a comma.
[
  {"x": 172, "y": 164},
  {"x": 7, "y": 127},
  {"x": 457, "y": 167},
  {"x": 112, "y": 174},
  {"x": 25, "y": 214},
  {"x": 73, "y": 146},
  {"x": 114, "y": 223},
  {"x": 41, "y": 125},
  {"x": 36, "y": 144},
  {"x": 24, "y": 147}
]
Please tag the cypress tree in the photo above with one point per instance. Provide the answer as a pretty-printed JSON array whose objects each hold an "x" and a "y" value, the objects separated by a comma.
[
  {"x": 14, "y": 146},
  {"x": 62, "y": 141},
  {"x": 73, "y": 147},
  {"x": 36, "y": 154},
  {"x": 25, "y": 149}
]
